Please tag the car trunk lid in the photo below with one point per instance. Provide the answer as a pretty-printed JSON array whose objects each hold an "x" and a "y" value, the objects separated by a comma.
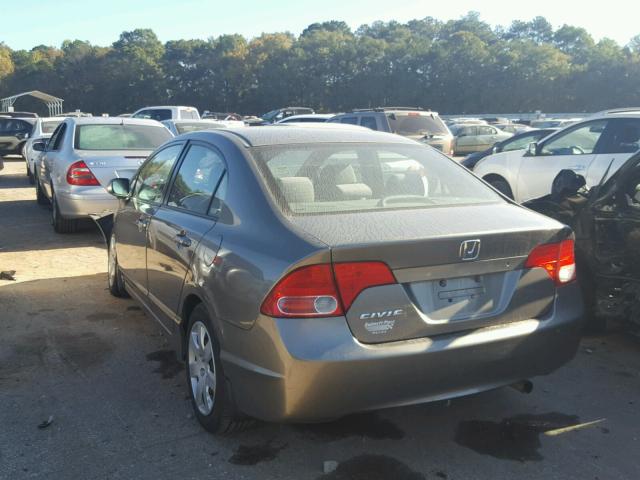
[
  {"x": 457, "y": 268},
  {"x": 106, "y": 166}
]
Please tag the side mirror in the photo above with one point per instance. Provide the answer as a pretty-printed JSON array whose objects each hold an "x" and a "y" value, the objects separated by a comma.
[
  {"x": 119, "y": 187},
  {"x": 532, "y": 149},
  {"x": 39, "y": 146}
]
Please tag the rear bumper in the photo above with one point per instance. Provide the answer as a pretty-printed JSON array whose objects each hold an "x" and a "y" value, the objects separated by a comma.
[
  {"x": 314, "y": 369},
  {"x": 89, "y": 201}
]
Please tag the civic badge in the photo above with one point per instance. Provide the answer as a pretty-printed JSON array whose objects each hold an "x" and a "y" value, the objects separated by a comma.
[{"x": 469, "y": 250}]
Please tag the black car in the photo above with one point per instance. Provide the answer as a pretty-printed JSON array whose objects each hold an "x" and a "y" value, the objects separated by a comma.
[
  {"x": 606, "y": 221},
  {"x": 519, "y": 141},
  {"x": 13, "y": 133}
]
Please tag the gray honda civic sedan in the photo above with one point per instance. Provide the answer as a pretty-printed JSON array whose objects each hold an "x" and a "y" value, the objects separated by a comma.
[{"x": 308, "y": 273}]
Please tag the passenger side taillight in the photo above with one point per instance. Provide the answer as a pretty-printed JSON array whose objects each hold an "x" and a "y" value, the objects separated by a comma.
[
  {"x": 558, "y": 259},
  {"x": 79, "y": 174},
  {"x": 323, "y": 291}
]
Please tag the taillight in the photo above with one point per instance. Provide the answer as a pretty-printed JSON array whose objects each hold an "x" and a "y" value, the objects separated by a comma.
[
  {"x": 558, "y": 259},
  {"x": 323, "y": 291},
  {"x": 354, "y": 277},
  {"x": 79, "y": 174}
]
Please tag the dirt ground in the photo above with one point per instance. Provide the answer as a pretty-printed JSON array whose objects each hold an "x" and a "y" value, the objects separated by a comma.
[{"x": 89, "y": 389}]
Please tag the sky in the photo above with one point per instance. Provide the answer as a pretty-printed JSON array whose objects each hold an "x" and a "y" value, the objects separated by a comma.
[{"x": 50, "y": 22}]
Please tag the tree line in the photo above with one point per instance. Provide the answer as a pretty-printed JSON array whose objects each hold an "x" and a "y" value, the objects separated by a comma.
[{"x": 457, "y": 66}]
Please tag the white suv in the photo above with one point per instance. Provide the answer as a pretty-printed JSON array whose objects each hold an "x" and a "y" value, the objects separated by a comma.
[{"x": 587, "y": 147}]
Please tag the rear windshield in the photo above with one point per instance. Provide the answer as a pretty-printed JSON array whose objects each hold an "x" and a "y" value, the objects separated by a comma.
[
  {"x": 337, "y": 178},
  {"x": 195, "y": 126},
  {"x": 14, "y": 126},
  {"x": 120, "y": 137},
  {"x": 49, "y": 127},
  {"x": 413, "y": 123},
  {"x": 158, "y": 114}
]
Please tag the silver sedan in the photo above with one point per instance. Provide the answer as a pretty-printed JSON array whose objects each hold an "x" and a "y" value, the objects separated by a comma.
[{"x": 82, "y": 156}]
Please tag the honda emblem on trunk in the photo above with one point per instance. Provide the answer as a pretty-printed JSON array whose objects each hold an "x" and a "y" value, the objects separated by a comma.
[{"x": 469, "y": 250}]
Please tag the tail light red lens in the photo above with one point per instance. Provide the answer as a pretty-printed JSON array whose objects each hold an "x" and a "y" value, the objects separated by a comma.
[
  {"x": 323, "y": 291},
  {"x": 558, "y": 259},
  {"x": 306, "y": 292},
  {"x": 79, "y": 174},
  {"x": 355, "y": 277}
]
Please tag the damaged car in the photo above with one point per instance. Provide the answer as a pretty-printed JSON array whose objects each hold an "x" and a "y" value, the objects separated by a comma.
[{"x": 606, "y": 221}]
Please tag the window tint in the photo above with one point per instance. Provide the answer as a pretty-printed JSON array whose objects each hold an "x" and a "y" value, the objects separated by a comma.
[
  {"x": 581, "y": 140},
  {"x": 482, "y": 130},
  {"x": 48, "y": 127},
  {"x": 219, "y": 197},
  {"x": 185, "y": 127},
  {"x": 14, "y": 126},
  {"x": 520, "y": 142},
  {"x": 120, "y": 137},
  {"x": 326, "y": 178},
  {"x": 414, "y": 123},
  {"x": 624, "y": 136},
  {"x": 369, "y": 122},
  {"x": 189, "y": 114},
  {"x": 158, "y": 114},
  {"x": 56, "y": 140},
  {"x": 197, "y": 179},
  {"x": 154, "y": 175},
  {"x": 349, "y": 120}
]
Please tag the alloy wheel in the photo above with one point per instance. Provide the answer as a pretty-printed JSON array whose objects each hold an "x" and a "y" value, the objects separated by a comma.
[{"x": 202, "y": 368}]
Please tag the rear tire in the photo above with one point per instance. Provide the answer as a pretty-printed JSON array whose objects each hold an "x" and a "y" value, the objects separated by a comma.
[
  {"x": 114, "y": 275},
  {"x": 30, "y": 175},
  {"x": 502, "y": 186},
  {"x": 60, "y": 223},
  {"x": 210, "y": 395},
  {"x": 40, "y": 196}
]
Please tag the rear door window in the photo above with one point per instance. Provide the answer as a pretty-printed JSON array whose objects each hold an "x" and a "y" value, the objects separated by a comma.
[
  {"x": 349, "y": 120},
  {"x": 369, "y": 122},
  {"x": 198, "y": 177},
  {"x": 623, "y": 136}
]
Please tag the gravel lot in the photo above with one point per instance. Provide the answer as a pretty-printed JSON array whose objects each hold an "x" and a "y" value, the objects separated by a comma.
[{"x": 117, "y": 398}]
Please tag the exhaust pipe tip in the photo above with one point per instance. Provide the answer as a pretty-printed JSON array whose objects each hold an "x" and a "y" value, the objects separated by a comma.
[{"x": 523, "y": 386}]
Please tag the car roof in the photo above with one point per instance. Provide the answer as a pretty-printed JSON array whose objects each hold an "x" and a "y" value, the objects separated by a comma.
[
  {"x": 113, "y": 121},
  {"x": 209, "y": 121},
  {"x": 297, "y": 134},
  {"x": 156, "y": 107}
]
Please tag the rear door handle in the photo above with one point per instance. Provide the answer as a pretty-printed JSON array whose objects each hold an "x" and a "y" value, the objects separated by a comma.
[
  {"x": 577, "y": 167},
  {"x": 182, "y": 240}
]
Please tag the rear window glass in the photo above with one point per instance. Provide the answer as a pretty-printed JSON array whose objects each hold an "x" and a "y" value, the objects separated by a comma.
[
  {"x": 189, "y": 114},
  {"x": 336, "y": 178},
  {"x": 49, "y": 127},
  {"x": 12, "y": 125},
  {"x": 411, "y": 123},
  {"x": 158, "y": 114},
  {"x": 195, "y": 126},
  {"x": 120, "y": 137}
]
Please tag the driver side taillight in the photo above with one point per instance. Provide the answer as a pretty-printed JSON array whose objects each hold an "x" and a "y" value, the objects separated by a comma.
[{"x": 80, "y": 174}]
